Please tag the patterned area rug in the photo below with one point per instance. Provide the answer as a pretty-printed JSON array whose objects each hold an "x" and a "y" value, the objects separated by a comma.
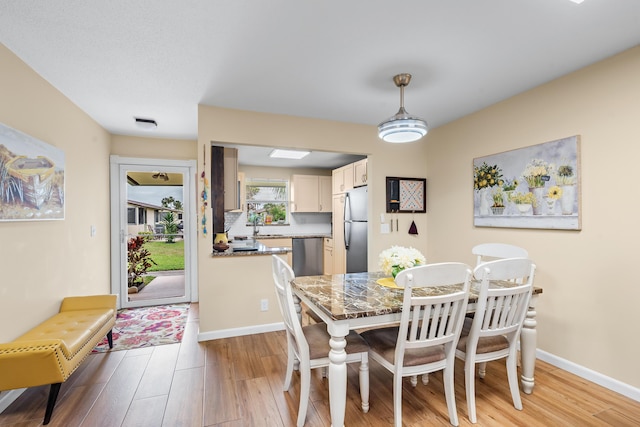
[{"x": 147, "y": 326}]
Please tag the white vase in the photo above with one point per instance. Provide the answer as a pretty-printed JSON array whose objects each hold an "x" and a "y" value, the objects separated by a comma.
[
  {"x": 508, "y": 204},
  {"x": 538, "y": 193},
  {"x": 567, "y": 199},
  {"x": 484, "y": 203},
  {"x": 523, "y": 208},
  {"x": 551, "y": 205}
]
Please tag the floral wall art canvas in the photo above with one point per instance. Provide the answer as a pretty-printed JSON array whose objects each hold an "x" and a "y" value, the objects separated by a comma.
[
  {"x": 531, "y": 187},
  {"x": 31, "y": 178}
]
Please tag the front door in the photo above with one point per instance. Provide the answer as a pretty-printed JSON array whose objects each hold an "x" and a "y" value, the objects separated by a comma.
[{"x": 153, "y": 230}]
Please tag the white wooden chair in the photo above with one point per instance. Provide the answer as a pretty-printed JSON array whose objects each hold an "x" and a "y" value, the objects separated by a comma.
[
  {"x": 429, "y": 330},
  {"x": 309, "y": 345},
  {"x": 493, "y": 251},
  {"x": 494, "y": 330}
]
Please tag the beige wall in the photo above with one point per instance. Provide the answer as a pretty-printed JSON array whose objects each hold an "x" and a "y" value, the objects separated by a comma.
[
  {"x": 258, "y": 172},
  {"x": 153, "y": 148},
  {"x": 243, "y": 127},
  {"x": 588, "y": 312},
  {"x": 44, "y": 261}
]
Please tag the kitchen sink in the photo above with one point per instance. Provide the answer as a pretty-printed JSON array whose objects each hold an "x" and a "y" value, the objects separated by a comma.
[{"x": 244, "y": 248}]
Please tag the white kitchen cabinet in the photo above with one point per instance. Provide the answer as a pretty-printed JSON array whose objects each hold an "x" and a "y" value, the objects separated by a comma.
[
  {"x": 241, "y": 194},
  {"x": 325, "y": 197},
  {"x": 360, "y": 173},
  {"x": 242, "y": 189},
  {"x": 311, "y": 193},
  {"x": 339, "y": 251},
  {"x": 342, "y": 179},
  {"x": 231, "y": 191},
  {"x": 328, "y": 255}
]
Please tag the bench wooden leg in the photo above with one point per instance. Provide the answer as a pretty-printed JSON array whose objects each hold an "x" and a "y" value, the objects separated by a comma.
[
  {"x": 51, "y": 402},
  {"x": 110, "y": 338}
]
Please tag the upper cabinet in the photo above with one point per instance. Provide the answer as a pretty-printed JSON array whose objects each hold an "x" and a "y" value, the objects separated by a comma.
[
  {"x": 241, "y": 192},
  {"x": 231, "y": 190},
  {"x": 343, "y": 179},
  {"x": 310, "y": 193},
  {"x": 325, "y": 184},
  {"x": 349, "y": 176},
  {"x": 360, "y": 173}
]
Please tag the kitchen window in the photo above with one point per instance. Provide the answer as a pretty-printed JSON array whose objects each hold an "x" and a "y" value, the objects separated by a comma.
[{"x": 267, "y": 201}]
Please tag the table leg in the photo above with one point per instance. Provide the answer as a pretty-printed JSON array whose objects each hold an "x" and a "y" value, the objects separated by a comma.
[
  {"x": 528, "y": 339},
  {"x": 337, "y": 373}
]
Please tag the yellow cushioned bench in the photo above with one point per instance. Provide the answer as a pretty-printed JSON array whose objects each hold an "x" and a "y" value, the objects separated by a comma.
[{"x": 50, "y": 352}]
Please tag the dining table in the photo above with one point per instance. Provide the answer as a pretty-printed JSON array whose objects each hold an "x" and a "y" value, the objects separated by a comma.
[{"x": 371, "y": 299}]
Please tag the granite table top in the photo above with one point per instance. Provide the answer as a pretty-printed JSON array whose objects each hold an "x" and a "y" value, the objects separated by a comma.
[{"x": 344, "y": 296}]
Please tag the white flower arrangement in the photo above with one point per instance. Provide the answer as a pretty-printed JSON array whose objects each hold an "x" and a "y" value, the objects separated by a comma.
[
  {"x": 397, "y": 258},
  {"x": 537, "y": 172}
]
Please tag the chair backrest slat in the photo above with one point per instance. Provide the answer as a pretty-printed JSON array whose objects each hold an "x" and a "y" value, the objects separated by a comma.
[
  {"x": 282, "y": 277},
  {"x": 492, "y": 251},
  {"x": 432, "y": 320},
  {"x": 501, "y": 310}
]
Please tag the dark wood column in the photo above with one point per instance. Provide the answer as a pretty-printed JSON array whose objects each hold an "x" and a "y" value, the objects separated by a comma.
[{"x": 217, "y": 190}]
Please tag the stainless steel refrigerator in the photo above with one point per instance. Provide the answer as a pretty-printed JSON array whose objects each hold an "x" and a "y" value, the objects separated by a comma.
[{"x": 355, "y": 229}]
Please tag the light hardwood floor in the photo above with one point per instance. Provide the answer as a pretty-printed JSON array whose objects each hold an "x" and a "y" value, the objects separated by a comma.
[{"x": 238, "y": 382}]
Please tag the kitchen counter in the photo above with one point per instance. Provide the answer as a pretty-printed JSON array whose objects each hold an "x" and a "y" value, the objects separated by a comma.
[
  {"x": 250, "y": 248},
  {"x": 288, "y": 236}
]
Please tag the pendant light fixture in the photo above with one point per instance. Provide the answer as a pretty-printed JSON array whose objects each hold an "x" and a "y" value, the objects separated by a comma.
[{"x": 403, "y": 127}]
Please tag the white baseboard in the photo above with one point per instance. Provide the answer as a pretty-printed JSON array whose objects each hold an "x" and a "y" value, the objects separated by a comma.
[
  {"x": 8, "y": 397},
  {"x": 590, "y": 375},
  {"x": 238, "y": 332}
]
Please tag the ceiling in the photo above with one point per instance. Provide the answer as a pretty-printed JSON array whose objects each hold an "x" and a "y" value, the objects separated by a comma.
[
  {"x": 156, "y": 178},
  {"x": 259, "y": 156},
  {"x": 331, "y": 59}
]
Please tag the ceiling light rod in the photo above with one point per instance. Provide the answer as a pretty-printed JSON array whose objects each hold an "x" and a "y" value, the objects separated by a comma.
[
  {"x": 402, "y": 80},
  {"x": 402, "y": 127}
]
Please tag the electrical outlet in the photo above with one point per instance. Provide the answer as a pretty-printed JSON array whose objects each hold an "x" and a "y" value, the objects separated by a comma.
[{"x": 264, "y": 305}]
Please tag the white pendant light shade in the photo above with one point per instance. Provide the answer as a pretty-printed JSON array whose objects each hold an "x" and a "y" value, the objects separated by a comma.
[{"x": 402, "y": 127}]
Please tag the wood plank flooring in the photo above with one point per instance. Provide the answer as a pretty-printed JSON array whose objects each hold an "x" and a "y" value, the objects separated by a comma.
[{"x": 237, "y": 382}]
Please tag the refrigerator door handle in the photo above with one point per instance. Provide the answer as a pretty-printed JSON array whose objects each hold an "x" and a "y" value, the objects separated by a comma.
[
  {"x": 347, "y": 207},
  {"x": 347, "y": 234},
  {"x": 347, "y": 218}
]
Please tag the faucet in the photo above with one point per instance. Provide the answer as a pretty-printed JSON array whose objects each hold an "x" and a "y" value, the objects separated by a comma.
[{"x": 256, "y": 230}]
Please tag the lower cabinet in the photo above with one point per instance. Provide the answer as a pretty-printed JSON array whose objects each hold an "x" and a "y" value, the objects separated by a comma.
[
  {"x": 280, "y": 243},
  {"x": 328, "y": 255}
]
